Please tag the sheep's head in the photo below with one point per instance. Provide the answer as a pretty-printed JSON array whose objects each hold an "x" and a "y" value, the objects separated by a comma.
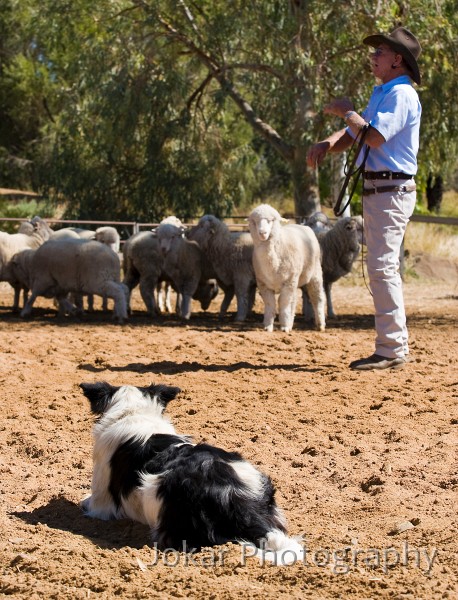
[
  {"x": 318, "y": 222},
  {"x": 167, "y": 235},
  {"x": 262, "y": 220},
  {"x": 41, "y": 228},
  {"x": 205, "y": 229},
  {"x": 359, "y": 225}
]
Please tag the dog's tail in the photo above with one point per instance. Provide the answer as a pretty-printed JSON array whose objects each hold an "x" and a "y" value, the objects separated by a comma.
[{"x": 277, "y": 548}]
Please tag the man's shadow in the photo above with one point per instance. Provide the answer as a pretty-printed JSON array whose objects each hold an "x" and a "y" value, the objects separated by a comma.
[{"x": 65, "y": 515}]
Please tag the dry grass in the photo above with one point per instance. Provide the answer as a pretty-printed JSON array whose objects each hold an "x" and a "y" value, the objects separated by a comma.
[{"x": 437, "y": 240}]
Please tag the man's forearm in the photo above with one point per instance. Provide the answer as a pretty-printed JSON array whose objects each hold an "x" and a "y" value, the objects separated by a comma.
[{"x": 339, "y": 141}]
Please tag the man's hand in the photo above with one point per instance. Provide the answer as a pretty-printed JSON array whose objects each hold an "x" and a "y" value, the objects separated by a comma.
[
  {"x": 338, "y": 107},
  {"x": 317, "y": 153}
]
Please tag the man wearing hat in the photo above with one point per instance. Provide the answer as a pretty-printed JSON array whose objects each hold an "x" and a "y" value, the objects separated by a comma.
[{"x": 393, "y": 114}]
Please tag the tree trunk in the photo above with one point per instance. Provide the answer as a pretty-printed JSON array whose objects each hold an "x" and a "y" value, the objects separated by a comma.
[{"x": 305, "y": 183}]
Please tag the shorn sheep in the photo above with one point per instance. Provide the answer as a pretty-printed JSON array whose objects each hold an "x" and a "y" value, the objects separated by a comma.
[
  {"x": 105, "y": 235},
  {"x": 142, "y": 265},
  {"x": 230, "y": 258},
  {"x": 37, "y": 232},
  {"x": 340, "y": 246},
  {"x": 182, "y": 264},
  {"x": 79, "y": 266},
  {"x": 286, "y": 257}
]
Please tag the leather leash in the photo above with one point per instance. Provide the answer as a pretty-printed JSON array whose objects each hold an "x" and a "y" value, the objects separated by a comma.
[{"x": 350, "y": 170}]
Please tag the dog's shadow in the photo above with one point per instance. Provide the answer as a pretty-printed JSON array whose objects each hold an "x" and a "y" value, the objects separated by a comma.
[{"x": 65, "y": 515}]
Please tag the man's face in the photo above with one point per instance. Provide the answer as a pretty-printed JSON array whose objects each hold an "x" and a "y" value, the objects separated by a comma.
[{"x": 383, "y": 58}]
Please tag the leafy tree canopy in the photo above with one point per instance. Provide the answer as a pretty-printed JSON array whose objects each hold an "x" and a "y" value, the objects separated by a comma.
[{"x": 137, "y": 109}]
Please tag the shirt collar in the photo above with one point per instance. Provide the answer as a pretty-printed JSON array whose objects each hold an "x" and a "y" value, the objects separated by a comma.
[{"x": 389, "y": 84}]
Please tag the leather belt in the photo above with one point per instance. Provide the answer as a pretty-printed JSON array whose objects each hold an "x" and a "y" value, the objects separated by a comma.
[
  {"x": 386, "y": 175},
  {"x": 389, "y": 188}
]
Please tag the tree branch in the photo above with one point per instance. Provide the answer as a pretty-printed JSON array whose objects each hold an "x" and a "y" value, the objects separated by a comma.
[{"x": 216, "y": 71}]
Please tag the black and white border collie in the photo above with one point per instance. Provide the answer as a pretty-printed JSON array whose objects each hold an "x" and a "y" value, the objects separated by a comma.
[{"x": 189, "y": 493}]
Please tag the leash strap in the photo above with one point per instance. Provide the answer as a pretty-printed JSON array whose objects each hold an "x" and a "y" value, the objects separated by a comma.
[{"x": 351, "y": 171}]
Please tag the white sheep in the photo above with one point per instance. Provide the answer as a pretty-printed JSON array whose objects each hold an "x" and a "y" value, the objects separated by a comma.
[
  {"x": 340, "y": 246},
  {"x": 84, "y": 234},
  {"x": 229, "y": 257},
  {"x": 11, "y": 243},
  {"x": 66, "y": 233},
  {"x": 108, "y": 236},
  {"x": 285, "y": 258},
  {"x": 59, "y": 267}
]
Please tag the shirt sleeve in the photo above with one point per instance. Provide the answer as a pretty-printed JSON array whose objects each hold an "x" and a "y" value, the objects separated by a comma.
[{"x": 392, "y": 114}]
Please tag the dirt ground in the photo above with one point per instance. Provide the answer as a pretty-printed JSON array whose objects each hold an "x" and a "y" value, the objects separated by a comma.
[{"x": 365, "y": 463}]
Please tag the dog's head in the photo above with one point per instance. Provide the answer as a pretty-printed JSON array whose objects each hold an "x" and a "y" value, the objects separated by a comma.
[{"x": 103, "y": 396}]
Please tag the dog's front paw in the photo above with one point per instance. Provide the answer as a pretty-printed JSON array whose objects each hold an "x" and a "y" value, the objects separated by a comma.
[{"x": 86, "y": 504}]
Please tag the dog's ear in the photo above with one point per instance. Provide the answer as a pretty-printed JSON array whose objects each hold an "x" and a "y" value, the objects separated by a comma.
[
  {"x": 163, "y": 393},
  {"x": 99, "y": 394}
]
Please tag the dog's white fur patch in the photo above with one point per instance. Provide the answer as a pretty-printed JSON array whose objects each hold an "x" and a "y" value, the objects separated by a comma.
[{"x": 250, "y": 477}]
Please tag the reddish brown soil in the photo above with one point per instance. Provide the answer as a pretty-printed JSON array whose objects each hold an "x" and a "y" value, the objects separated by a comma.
[{"x": 353, "y": 454}]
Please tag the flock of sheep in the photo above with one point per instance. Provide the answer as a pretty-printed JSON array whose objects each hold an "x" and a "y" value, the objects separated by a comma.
[{"x": 273, "y": 257}]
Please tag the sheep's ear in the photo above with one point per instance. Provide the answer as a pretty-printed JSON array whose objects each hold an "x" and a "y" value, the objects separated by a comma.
[
  {"x": 99, "y": 395},
  {"x": 163, "y": 393},
  {"x": 283, "y": 220}
]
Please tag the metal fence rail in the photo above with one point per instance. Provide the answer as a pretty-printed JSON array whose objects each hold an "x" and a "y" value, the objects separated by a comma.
[{"x": 136, "y": 226}]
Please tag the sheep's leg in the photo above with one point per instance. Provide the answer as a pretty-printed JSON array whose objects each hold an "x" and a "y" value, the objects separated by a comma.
[
  {"x": 316, "y": 294},
  {"x": 78, "y": 299},
  {"x": 242, "y": 306},
  {"x": 168, "y": 298},
  {"x": 27, "y": 310},
  {"x": 268, "y": 297},
  {"x": 104, "y": 303},
  {"x": 178, "y": 303},
  {"x": 17, "y": 296},
  {"x": 287, "y": 306},
  {"x": 185, "y": 311},
  {"x": 307, "y": 309},
  {"x": 164, "y": 298},
  {"x": 251, "y": 297},
  {"x": 228, "y": 295},
  {"x": 118, "y": 293},
  {"x": 147, "y": 288},
  {"x": 160, "y": 296},
  {"x": 90, "y": 302},
  {"x": 65, "y": 306},
  {"x": 331, "y": 313},
  {"x": 130, "y": 280}
]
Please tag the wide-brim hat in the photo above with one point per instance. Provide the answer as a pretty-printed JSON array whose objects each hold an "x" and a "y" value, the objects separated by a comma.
[{"x": 403, "y": 42}]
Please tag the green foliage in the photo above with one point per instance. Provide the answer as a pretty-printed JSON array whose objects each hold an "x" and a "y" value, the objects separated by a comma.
[
  {"x": 25, "y": 209},
  {"x": 127, "y": 109}
]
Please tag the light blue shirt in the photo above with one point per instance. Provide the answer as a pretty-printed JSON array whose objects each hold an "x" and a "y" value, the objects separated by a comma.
[{"x": 394, "y": 110}]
